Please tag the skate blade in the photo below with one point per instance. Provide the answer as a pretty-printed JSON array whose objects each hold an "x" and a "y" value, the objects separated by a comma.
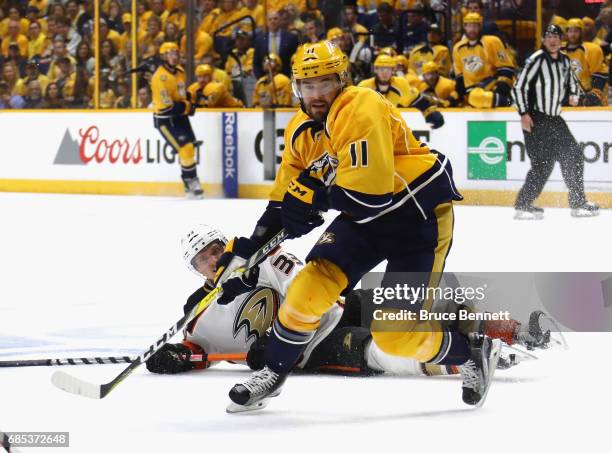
[
  {"x": 521, "y": 215},
  {"x": 583, "y": 213},
  {"x": 192, "y": 196},
  {"x": 234, "y": 408},
  {"x": 496, "y": 346}
]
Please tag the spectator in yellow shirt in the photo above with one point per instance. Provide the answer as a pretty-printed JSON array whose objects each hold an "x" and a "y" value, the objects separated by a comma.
[
  {"x": 256, "y": 11},
  {"x": 59, "y": 51},
  {"x": 38, "y": 43},
  {"x": 150, "y": 39},
  {"x": 205, "y": 92},
  {"x": 32, "y": 16},
  {"x": 229, "y": 13},
  {"x": 33, "y": 74},
  {"x": 209, "y": 15},
  {"x": 10, "y": 74},
  {"x": 14, "y": 36},
  {"x": 13, "y": 15},
  {"x": 203, "y": 44},
  {"x": 41, "y": 5}
]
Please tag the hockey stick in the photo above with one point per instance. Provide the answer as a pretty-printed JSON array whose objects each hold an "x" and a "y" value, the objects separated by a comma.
[
  {"x": 77, "y": 386},
  {"x": 113, "y": 360}
]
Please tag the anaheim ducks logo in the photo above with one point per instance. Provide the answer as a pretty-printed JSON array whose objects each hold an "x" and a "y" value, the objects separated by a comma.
[
  {"x": 473, "y": 63},
  {"x": 257, "y": 313}
]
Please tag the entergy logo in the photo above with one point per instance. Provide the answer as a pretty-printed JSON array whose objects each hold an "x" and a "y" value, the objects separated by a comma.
[{"x": 486, "y": 150}]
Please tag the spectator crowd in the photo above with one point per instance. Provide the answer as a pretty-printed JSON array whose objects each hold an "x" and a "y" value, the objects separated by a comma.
[{"x": 450, "y": 53}]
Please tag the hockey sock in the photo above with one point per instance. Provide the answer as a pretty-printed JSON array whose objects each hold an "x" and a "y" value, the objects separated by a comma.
[
  {"x": 284, "y": 347},
  {"x": 189, "y": 172},
  {"x": 455, "y": 349}
]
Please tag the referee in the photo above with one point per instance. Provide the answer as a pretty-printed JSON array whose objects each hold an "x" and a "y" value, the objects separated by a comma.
[{"x": 542, "y": 86}]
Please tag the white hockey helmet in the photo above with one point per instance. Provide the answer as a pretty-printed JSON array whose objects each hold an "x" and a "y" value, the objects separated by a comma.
[{"x": 198, "y": 238}]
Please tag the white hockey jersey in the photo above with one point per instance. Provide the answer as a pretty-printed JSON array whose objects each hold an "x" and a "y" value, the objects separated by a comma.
[{"x": 232, "y": 328}]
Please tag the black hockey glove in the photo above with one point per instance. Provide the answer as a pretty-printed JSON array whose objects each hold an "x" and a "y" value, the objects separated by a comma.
[
  {"x": 191, "y": 109},
  {"x": 305, "y": 197},
  {"x": 236, "y": 286},
  {"x": 171, "y": 359},
  {"x": 256, "y": 356},
  {"x": 436, "y": 119},
  {"x": 237, "y": 252}
]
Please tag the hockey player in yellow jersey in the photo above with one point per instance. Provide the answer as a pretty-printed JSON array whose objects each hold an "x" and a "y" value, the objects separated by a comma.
[
  {"x": 172, "y": 110},
  {"x": 484, "y": 67},
  {"x": 438, "y": 89},
  {"x": 432, "y": 51},
  {"x": 349, "y": 149},
  {"x": 588, "y": 64},
  {"x": 205, "y": 92},
  {"x": 398, "y": 90},
  {"x": 274, "y": 88}
]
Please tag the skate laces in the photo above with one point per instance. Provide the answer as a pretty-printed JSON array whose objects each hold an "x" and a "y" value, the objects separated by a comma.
[
  {"x": 469, "y": 372},
  {"x": 261, "y": 381}
]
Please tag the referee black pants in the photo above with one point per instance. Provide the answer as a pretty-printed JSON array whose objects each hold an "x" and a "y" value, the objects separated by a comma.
[{"x": 549, "y": 141}]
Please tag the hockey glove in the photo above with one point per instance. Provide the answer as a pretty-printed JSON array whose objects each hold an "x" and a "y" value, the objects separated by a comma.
[
  {"x": 436, "y": 119},
  {"x": 237, "y": 252},
  {"x": 255, "y": 358},
  {"x": 175, "y": 358},
  {"x": 305, "y": 197},
  {"x": 235, "y": 286},
  {"x": 191, "y": 109},
  {"x": 593, "y": 98}
]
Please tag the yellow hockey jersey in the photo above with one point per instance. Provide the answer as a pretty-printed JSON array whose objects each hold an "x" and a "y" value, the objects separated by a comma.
[
  {"x": 400, "y": 92},
  {"x": 365, "y": 153},
  {"x": 444, "y": 94},
  {"x": 246, "y": 63},
  {"x": 168, "y": 89},
  {"x": 212, "y": 95},
  {"x": 272, "y": 93},
  {"x": 424, "y": 53},
  {"x": 588, "y": 64},
  {"x": 487, "y": 59}
]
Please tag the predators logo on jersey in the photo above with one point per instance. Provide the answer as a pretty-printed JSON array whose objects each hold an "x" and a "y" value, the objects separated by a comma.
[
  {"x": 577, "y": 67},
  {"x": 257, "y": 313},
  {"x": 327, "y": 238},
  {"x": 472, "y": 63},
  {"x": 324, "y": 168}
]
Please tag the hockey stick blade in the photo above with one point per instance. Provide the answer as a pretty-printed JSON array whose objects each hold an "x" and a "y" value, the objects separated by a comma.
[{"x": 76, "y": 386}]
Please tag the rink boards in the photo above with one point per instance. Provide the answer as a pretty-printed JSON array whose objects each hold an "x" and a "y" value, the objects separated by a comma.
[{"x": 119, "y": 152}]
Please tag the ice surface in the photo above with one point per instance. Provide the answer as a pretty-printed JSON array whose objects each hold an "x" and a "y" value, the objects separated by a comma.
[{"x": 103, "y": 275}]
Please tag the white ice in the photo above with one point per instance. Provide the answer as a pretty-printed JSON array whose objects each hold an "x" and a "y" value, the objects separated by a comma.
[{"x": 103, "y": 275}]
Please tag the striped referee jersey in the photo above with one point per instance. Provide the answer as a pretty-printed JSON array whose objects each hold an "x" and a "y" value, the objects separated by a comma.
[{"x": 543, "y": 83}]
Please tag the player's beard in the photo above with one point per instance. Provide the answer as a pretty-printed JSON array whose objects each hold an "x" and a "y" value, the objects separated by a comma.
[{"x": 321, "y": 114}]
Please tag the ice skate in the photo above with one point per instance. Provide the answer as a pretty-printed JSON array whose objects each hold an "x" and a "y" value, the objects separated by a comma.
[
  {"x": 256, "y": 392},
  {"x": 587, "y": 209},
  {"x": 511, "y": 356},
  {"x": 528, "y": 213},
  {"x": 193, "y": 189},
  {"x": 478, "y": 371},
  {"x": 537, "y": 333}
]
